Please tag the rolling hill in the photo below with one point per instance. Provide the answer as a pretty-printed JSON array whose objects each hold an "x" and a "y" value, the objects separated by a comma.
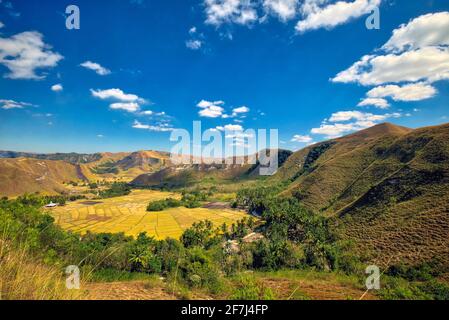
[
  {"x": 46, "y": 173},
  {"x": 187, "y": 175},
  {"x": 26, "y": 175},
  {"x": 386, "y": 187}
]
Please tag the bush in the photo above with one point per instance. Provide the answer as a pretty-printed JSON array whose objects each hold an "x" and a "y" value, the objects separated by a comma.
[
  {"x": 249, "y": 289},
  {"x": 199, "y": 270},
  {"x": 438, "y": 290},
  {"x": 116, "y": 190},
  {"x": 161, "y": 205}
]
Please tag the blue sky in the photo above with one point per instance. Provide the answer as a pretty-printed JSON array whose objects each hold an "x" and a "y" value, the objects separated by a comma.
[{"x": 138, "y": 68}]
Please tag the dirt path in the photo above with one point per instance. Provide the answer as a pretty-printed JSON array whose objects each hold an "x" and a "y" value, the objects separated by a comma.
[
  {"x": 134, "y": 290},
  {"x": 315, "y": 290},
  {"x": 282, "y": 288}
]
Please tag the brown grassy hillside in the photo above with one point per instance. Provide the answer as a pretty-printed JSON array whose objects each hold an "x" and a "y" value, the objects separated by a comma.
[
  {"x": 321, "y": 174},
  {"x": 404, "y": 217},
  {"x": 387, "y": 188},
  {"x": 125, "y": 166},
  {"x": 21, "y": 175}
]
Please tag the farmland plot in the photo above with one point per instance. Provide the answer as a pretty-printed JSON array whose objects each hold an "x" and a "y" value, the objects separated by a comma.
[{"x": 128, "y": 214}]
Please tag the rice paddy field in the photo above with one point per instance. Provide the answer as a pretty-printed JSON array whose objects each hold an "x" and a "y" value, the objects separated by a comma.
[{"x": 128, "y": 214}]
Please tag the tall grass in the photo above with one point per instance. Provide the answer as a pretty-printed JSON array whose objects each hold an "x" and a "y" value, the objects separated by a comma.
[{"x": 24, "y": 278}]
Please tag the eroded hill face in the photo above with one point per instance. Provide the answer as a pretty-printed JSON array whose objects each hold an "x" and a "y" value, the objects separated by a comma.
[
  {"x": 24, "y": 175},
  {"x": 387, "y": 188}
]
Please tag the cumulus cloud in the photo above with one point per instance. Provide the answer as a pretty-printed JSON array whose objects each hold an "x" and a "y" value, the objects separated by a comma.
[
  {"x": 239, "y": 110},
  {"x": 11, "y": 104},
  {"x": 283, "y": 9},
  {"x": 24, "y": 53},
  {"x": 211, "y": 109},
  {"x": 127, "y": 106},
  {"x": 117, "y": 94},
  {"x": 194, "y": 44},
  {"x": 427, "y": 30},
  {"x": 230, "y": 127},
  {"x": 427, "y": 64},
  {"x": 102, "y": 71},
  {"x": 341, "y": 116},
  {"x": 302, "y": 139},
  {"x": 123, "y": 101},
  {"x": 160, "y": 127},
  {"x": 1, "y": 24},
  {"x": 319, "y": 14},
  {"x": 376, "y": 102},
  {"x": 57, "y": 87},
  {"x": 192, "y": 30},
  {"x": 417, "y": 51},
  {"x": 344, "y": 122},
  {"x": 219, "y": 12},
  {"x": 410, "y": 92}
]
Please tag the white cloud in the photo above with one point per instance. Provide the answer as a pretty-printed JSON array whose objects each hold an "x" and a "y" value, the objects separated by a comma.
[
  {"x": 127, "y": 106},
  {"x": 302, "y": 139},
  {"x": 194, "y": 44},
  {"x": 117, "y": 94},
  {"x": 417, "y": 51},
  {"x": 409, "y": 92},
  {"x": 11, "y": 104},
  {"x": 219, "y": 12},
  {"x": 192, "y": 30},
  {"x": 102, "y": 71},
  {"x": 353, "y": 121},
  {"x": 57, "y": 87},
  {"x": 239, "y": 110},
  {"x": 230, "y": 127},
  {"x": 357, "y": 115},
  {"x": 100, "y": 136},
  {"x": 1, "y": 24},
  {"x": 427, "y": 64},
  {"x": 123, "y": 101},
  {"x": 317, "y": 16},
  {"x": 26, "y": 52},
  {"x": 283, "y": 9},
  {"x": 377, "y": 102},
  {"x": 427, "y": 30},
  {"x": 342, "y": 116},
  {"x": 161, "y": 127},
  {"x": 211, "y": 109},
  {"x": 333, "y": 130}
]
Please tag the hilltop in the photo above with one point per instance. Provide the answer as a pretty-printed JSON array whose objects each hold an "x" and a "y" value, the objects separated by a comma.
[{"x": 386, "y": 187}]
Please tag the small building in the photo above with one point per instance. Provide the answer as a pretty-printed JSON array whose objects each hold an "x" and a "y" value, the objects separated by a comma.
[{"x": 52, "y": 205}]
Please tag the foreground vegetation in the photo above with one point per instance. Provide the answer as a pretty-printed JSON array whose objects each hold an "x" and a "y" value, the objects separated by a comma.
[{"x": 214, "y": 260}]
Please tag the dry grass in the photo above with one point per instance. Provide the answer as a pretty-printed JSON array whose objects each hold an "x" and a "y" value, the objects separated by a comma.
[
  {"x": 23, "y": 278},
  {"x": 128, "y": 214}
]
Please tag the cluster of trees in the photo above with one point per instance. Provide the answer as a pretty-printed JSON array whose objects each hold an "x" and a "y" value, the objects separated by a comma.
[
  {"x": 190, "y": 200},
  {"x": 41, "y": 200},
  {"x": 117, "y": 189}
]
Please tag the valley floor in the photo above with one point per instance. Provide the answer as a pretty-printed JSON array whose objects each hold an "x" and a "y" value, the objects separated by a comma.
[{"x": 128, "y": 214}]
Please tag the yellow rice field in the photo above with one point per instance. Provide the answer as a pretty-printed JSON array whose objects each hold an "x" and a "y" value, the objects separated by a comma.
[{"x": 128, "y": 214}]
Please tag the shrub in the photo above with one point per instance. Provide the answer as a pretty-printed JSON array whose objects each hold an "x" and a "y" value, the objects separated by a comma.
[
  {"x": 161, "y": 205},
  {"x": 117, "y": 189},
  {"x": 249, "y": 289}
]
